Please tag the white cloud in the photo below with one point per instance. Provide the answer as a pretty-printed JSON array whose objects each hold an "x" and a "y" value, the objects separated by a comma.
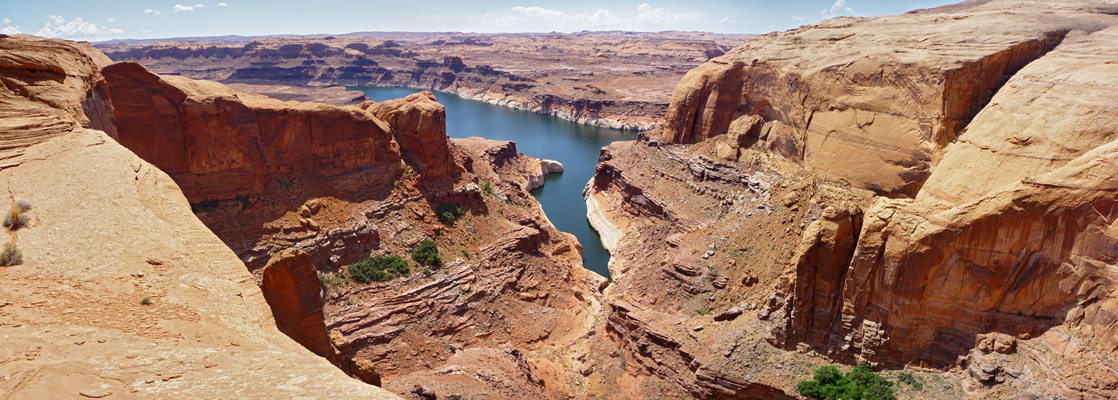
[
  {"x": 837, "y": 9},
  {"x": 799, "y": 17},
  {"x": 150, "y": 11},
  {"x": 57, "y": 26},
  {"x": 727, "y": 19},
  {"x": 542, "y": 19},
  {"x": 198, "y": 6},
  {"x": 7, "y": 28},
  {"x": 221, "y": 4},
  {"x": 110, "y": 20},
  {"x": 180, "y": 7}
]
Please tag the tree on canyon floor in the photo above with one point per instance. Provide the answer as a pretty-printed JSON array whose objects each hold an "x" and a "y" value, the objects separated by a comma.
[
  {"x": 379, "y": 269},
  {"x": 860, "y": 383}
]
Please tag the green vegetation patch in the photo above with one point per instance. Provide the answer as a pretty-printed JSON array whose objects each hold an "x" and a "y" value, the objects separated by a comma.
[
  {"x": 487, "y": 188},
  {"x": 427, "y": 254},
  {"x": 860, "y": 383},
  {"x": 449, "y": 212},
  {"x": 379, "y": 269}
]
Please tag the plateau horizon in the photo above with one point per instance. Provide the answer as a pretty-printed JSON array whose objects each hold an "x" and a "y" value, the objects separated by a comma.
[{"x": 118, "y": 20}]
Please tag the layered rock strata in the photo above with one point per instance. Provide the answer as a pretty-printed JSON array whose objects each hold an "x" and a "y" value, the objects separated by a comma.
[
  {"x": 616, "y": 79},
  {"x": 122, "y": 292},
  {"x": 511, "y": 287},
  {"x": 219, "y": 144},
  {"x": 936, "y": 202}
]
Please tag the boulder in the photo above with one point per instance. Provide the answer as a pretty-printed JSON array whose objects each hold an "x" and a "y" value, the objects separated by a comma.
[{"x": 291, "y": 287}]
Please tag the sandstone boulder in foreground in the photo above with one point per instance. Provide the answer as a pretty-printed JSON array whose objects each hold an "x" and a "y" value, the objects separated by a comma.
[{"x": 107, "y": 231}]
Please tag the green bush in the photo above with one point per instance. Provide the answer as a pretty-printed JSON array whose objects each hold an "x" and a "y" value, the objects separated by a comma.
[
  {"x": 448, "y": 212},
  {"x": 465, "y": 254},
  {"x": 427, "y": 253},
  {"x": 860, "y": 383},
  {"x": 379, "y": 269},
  {"x": 487, "y": 188},
  {"x": 11, "y": 255},
  {"x": 146, "y": 301}
]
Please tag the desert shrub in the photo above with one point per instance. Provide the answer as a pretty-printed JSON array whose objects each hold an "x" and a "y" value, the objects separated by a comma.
[
  {"x": 448, "y": 212},
  {"x": 427, "y": 253},
  {"x": 487, "y": 188},
  {"x": 333, "y": 283},
  {"x": 23, "y": 205},
  {"x": 11, "y": 255},
  {"x": 379, "y": 269},
  {"x": 465, "y": 254},
  {"x": 16, "y": 218},
  {"x": 911, "y": 380},
  {"x": 146, "y": 301},
  {"x": 860, "y": 383}
]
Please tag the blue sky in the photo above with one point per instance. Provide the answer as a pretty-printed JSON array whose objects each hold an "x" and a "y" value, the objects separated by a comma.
[{"x": 118, "y": 19}]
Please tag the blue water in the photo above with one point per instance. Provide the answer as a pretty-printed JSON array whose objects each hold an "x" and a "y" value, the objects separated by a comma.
[{"x": 575, "y": 146}]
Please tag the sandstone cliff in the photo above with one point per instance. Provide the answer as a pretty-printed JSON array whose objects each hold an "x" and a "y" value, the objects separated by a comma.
[
  {"x": 511, "y": 289},
  {"x": 978, "y": 140},
  {"x": 122, "y": 291},
  {"x": 219, "y": 144},
  {"x": 419, "y": 125}
]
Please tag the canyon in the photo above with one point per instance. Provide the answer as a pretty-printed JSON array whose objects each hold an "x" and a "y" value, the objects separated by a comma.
[
  {"x": 616, "y": 79},
  {"x": 932, "y": 193}
]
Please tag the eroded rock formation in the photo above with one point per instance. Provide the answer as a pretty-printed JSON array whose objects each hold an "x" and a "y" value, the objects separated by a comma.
[
  {"x": 122, "y": 292},
  {"x": 509, "y": 279},
  {"x": 219, "y": 144},
  {"x": 293, "y": 292},
  {"x": 984, "y": 171},
  {"x": 419, "y": 125}
]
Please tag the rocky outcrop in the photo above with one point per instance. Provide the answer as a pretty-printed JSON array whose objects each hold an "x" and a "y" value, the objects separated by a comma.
[
  {"x": 952, "y": 201},
  {"x": 219, "y": 144},
  {"x": 1019, "y": 248},
  {"x": 848, "y": 87},
  {"x": 122, "y": 291},
  {"x": 419, "y": 124},
  {"x": 290, "y": 285},
  {"x": 704, "y": 102}
]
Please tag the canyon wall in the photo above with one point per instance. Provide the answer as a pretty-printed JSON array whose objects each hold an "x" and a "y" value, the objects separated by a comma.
[
  {"x": 325, "y": 187},
  {"x": 219, "y": 144},
  {"x": 122, "y": 291},
  {"x": 938, "y": 196}
]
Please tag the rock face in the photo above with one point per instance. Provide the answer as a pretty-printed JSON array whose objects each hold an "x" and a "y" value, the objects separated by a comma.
[
  {"x": 846, "y": 98},
  {"x": 617, "y": 79},
  {"x": 518, "y": 281},
  {"x": 419, "y": 125},
  {"x": 219, "y": 144},
  {"x": 73, "y": 315},
  {"x": 947, "y": 175},
  {"x": 293, "y": 292}
]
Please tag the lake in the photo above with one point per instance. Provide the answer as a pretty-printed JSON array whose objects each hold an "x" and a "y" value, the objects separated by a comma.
[{"x": 574, "y": 145}]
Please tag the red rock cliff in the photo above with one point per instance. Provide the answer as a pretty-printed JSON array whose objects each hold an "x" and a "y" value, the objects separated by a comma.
[
  {"x": 419, "y": 125},
  {"x": 220, "y": 144}
]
